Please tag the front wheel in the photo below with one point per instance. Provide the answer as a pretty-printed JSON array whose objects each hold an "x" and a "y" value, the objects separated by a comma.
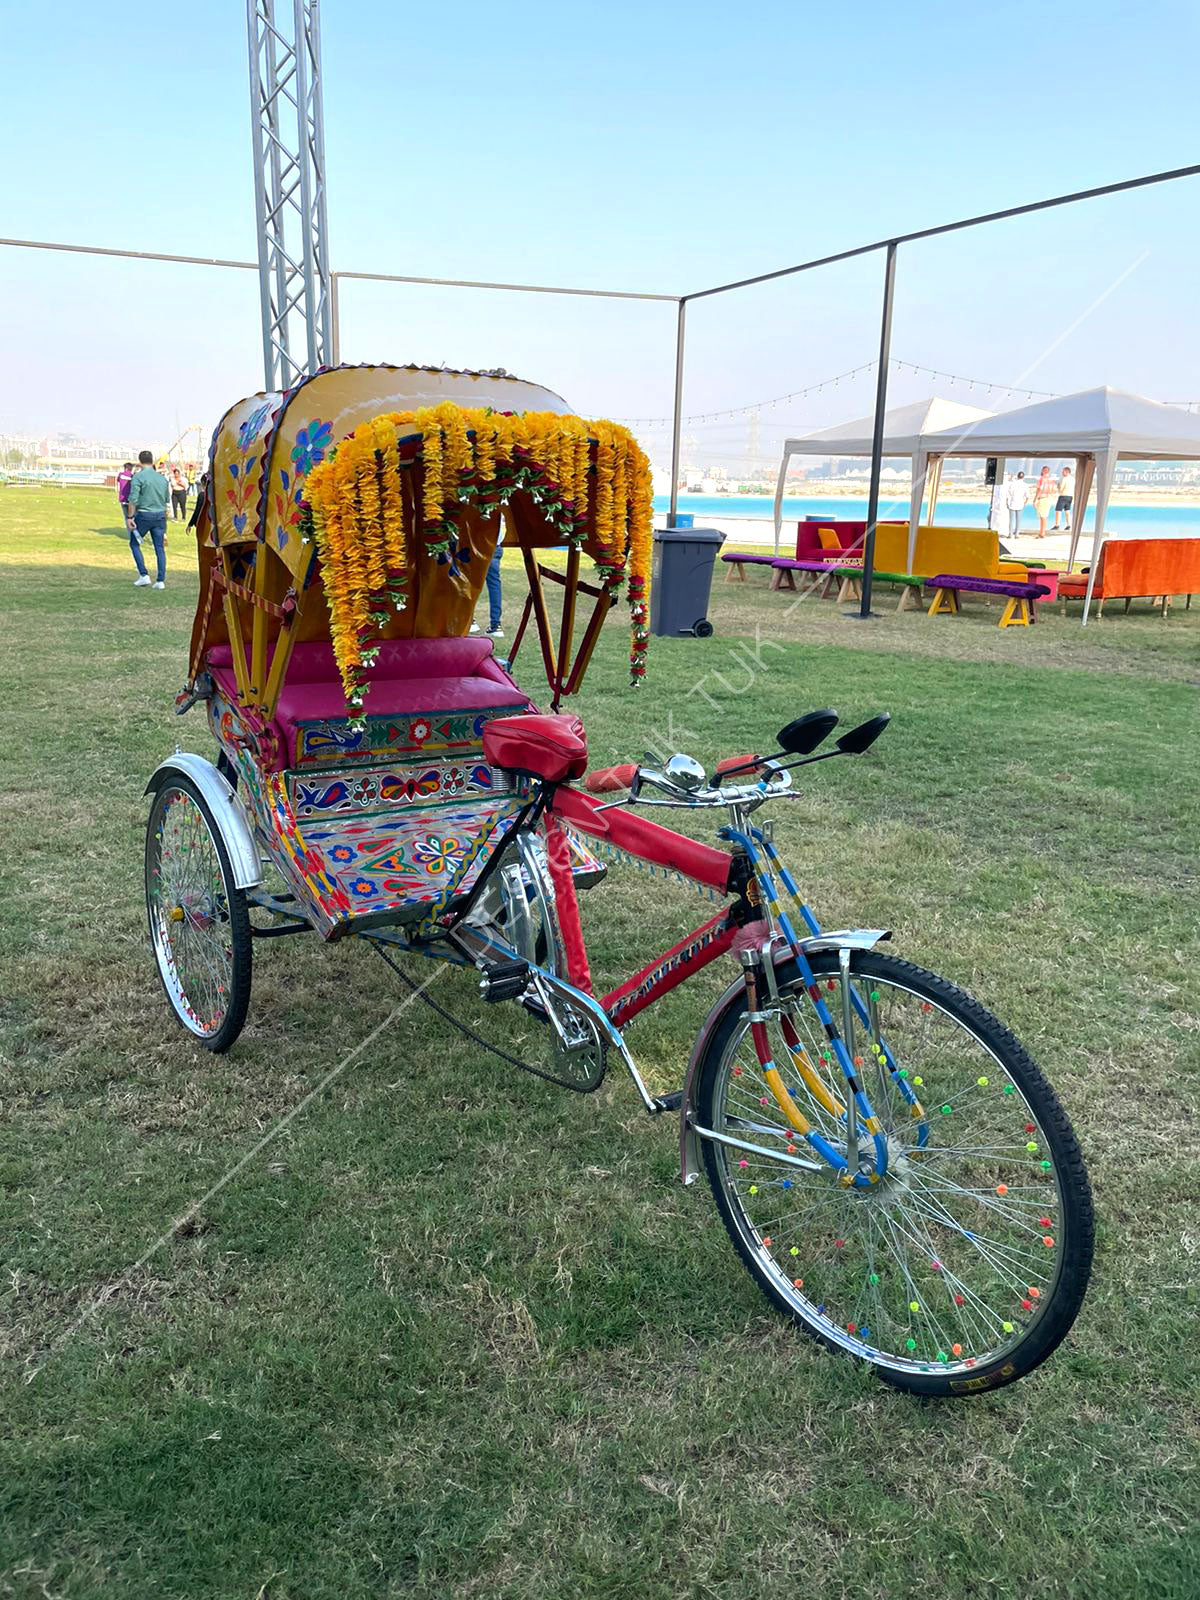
[
  {"x": 199, "y": 922},
  {"x": 960, "y": 1268}
]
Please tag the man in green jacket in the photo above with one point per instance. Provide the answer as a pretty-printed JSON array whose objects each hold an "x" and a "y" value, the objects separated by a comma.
[{"x": 149, "y": 496}]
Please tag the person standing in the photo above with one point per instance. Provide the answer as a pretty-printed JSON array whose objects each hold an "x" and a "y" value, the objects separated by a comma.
[
  {"x": 495, "y": 594},
  {"x": 998, "y": 508},
  {"x": 124, "y": 479},
  {"x": 1066, "y": 499},
  {"x": 178, "y": 493},
  {"x": 148, "y": 496},
  {"x": 1043, "y": 499},
  {"x": 1016, "y": 498}
]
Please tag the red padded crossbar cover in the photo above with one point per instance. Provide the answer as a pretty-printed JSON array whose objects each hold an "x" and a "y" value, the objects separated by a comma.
[
  {"x": 558, "y": 856},
  {"x": 643, "y": 838},
  {"x": 549, "y": 747}
]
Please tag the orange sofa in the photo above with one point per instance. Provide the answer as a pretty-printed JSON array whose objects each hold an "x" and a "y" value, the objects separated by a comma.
[{"x": 1138, "y": 569}]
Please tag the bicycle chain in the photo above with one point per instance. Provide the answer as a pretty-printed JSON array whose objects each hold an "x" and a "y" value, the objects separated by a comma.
[{"x": 593, "y": 1082}]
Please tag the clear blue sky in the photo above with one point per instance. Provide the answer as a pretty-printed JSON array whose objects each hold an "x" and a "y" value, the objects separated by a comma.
[{"x": 650, "y": 145}]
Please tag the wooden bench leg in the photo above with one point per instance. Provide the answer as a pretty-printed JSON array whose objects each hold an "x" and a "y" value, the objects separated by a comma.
[
  {"x": 736, "y": 572},
  {"x": 945, "y": 603},
  {"x": 782, "y": 578},
  {"x": 908, "y": 599},
  {"x": 848, "y": 589},
  {"x": 1016, "y": 613},
  {"x": 1166, "y": 605}
]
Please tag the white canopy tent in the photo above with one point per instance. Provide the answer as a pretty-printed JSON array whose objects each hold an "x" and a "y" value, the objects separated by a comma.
[
  {"x": 905, "y": 432},
  {"x": 1098, "y": 427}
]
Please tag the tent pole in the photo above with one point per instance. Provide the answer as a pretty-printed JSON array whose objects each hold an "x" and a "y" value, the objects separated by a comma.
[
  {"x": 920, "y": 479},
  {"x": 1085, "y": 472},
  {"x": 1106, "y": 465},
  {"x": 935, "y": 486},
  {"x": 783, "y": 466},
  {"x": 881, "y": 379},
  {"x": 678, "y": 417}
]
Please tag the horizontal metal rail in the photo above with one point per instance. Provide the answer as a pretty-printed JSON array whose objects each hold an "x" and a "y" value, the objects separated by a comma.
[
  {"x": 514, "y": 288},
  {"x": 951, "y": 227},
  {"x": 360, "y": 277},
  {"x": 129, "y": 255}
]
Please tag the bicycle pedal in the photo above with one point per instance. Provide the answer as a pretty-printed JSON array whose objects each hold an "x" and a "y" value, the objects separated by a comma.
[
  {"x": 670, "y": 1102},
  {"x": 504, "y": 980}
]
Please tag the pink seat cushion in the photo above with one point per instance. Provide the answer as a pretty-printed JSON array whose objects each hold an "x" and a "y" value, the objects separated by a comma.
[{"x": 410, "y": 676}]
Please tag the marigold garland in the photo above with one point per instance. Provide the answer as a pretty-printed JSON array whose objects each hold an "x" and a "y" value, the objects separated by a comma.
[{"x": 585, "y": 478}]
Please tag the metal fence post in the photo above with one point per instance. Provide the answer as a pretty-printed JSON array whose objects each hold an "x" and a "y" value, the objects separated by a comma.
[
  {"x": 881, "y": 383},
  {"x": 675, "y": 437}
]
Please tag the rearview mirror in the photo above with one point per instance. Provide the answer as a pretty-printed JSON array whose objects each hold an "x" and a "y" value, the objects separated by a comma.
[
  {"x": 803, "y": 735},
  {"x": 864, "y": 736}
]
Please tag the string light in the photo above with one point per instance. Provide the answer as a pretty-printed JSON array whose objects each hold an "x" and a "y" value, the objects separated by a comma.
[
  {"x": 740, "y": 411},
  {"x": 898, "y": 367}
]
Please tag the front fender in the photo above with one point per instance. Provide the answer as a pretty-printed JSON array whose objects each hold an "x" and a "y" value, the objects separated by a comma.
[
  {"x": 689, "y": 1145},
  {"x": 226, "y": 809}
]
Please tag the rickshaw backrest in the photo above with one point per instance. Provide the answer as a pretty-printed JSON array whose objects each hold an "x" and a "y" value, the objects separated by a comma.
[
  {"x": 312, "y": 660},
  {"x": 457, "y": 679}
]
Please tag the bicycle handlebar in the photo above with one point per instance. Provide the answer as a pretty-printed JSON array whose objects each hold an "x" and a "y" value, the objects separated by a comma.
[
  {"x": 773, "y": 784},
  {"x": 684, "y": 782}
]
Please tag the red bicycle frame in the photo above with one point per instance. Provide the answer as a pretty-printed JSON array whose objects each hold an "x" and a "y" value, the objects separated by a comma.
[{"x": 700, "y": 863}]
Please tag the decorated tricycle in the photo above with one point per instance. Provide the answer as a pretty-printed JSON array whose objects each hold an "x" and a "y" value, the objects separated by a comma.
[{"x": 890, "y": 1164}]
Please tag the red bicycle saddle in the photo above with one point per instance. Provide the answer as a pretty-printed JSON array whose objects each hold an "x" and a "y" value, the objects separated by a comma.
[{"x": 549, "y": 747}]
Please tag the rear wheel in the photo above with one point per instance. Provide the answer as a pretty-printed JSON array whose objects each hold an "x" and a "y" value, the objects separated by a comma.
[
  {"x": 199, "y": 924},
  {"x": 963, "y": 1266}
]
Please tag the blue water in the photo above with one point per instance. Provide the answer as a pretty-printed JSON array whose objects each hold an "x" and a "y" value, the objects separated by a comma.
[{"x": 1148, "y": 521}]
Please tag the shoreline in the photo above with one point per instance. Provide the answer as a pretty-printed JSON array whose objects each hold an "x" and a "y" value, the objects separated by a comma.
[
  {"x": 759, "y": 532},
  {"x": 1150, "y": 499}
]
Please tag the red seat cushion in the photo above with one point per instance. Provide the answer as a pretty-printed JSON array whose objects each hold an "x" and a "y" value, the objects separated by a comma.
[{"x": 549, "y": 747}]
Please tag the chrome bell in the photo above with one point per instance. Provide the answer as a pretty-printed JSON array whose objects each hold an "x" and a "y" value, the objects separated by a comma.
[{"x": 685, "y": 772}]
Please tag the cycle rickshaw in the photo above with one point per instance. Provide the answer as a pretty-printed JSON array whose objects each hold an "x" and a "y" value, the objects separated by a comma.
[{"x": 890, "y": 1164}]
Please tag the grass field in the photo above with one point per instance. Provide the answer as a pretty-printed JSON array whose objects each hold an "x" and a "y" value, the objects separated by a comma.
[{"x": 455, "y": 1332}]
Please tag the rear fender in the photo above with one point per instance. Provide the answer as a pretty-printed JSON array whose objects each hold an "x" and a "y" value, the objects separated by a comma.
[
  {"x": 689, "y": 1144},
  {"x": 226, "y": 809}
]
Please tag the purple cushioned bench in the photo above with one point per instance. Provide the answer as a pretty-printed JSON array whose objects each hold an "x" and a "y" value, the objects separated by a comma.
[
  {"x": 1017, "y": 612},
  {"x": 844, "y": 568},
  {"x": 738, "y": 562},
  {"x": 833, "y": 565}
]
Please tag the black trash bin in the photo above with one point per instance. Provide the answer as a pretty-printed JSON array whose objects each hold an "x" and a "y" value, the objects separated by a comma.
[{"x": 681, "y": 580}]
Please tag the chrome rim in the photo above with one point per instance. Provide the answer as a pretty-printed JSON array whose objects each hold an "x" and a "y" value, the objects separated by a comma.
[
  {"x": 949, "y": 1261},
  {"x": 188, "y": 900}
]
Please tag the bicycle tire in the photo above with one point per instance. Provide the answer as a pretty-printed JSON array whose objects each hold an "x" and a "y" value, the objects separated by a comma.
[
  {"x": 1053, "y": 1313},
  {"x": 215, "y": 1033}
]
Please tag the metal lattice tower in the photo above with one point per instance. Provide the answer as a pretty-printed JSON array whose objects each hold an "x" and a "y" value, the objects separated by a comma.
[{"x": 289, "y": 187}]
